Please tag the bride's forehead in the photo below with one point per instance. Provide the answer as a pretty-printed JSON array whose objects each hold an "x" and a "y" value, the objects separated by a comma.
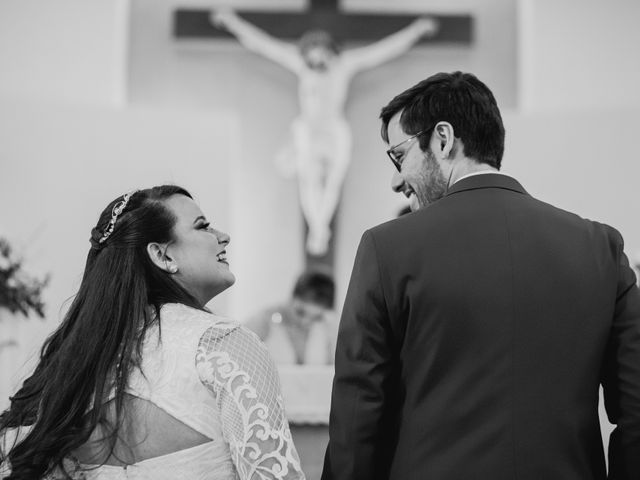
[{"x": 184, "y": 208}]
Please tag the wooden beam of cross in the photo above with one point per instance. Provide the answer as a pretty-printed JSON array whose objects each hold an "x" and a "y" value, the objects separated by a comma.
[{"x": 324, "y": 15}]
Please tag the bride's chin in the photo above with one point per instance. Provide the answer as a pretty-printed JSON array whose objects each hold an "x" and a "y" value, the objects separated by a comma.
[{"x": 226, "y": 280}]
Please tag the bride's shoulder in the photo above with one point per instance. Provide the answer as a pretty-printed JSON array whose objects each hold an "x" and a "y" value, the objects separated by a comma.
[{"x": 177, "y": 313}]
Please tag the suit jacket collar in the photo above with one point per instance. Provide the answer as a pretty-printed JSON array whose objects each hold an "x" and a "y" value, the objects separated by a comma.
[{"x": 487, "y": 180}]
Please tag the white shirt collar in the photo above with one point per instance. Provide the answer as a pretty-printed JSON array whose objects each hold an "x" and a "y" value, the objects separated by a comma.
[{"x": 497, "y": 172}]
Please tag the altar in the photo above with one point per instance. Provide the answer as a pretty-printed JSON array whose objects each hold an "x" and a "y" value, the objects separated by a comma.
[{"x": 307, "y": 393}]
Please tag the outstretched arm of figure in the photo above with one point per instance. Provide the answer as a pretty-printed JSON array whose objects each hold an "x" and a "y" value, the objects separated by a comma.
[
  {"x": 258, "y": 41},
  {"x": 394, "y": 45}
]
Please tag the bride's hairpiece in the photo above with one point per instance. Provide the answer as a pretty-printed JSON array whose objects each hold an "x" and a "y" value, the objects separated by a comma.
[{"x": 118, "y": 208}]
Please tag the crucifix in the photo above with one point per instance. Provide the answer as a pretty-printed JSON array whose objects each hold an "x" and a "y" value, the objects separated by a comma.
[{"x": 319, "y": 150}]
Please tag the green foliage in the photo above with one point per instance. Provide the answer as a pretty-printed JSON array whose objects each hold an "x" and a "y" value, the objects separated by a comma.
[{"x": 19, "y": 292}]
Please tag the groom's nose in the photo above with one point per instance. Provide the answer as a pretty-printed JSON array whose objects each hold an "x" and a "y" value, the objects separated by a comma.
[{"x": 397, "y": 182}]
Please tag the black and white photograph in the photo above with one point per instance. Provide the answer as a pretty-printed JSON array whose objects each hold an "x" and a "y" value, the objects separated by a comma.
[{"x": 319, "y": 239}]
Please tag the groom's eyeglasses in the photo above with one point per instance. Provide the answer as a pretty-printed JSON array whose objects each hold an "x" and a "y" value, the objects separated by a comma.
[{"x": 397, "y": 157}]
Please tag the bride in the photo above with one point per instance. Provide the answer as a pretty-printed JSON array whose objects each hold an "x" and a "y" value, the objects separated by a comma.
[{"x": 140, "y": 380}]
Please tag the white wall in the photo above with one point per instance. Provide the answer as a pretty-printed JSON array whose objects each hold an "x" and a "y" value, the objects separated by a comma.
[
  {"x": 63, "y": 51},
  {"x": 580, "y": 163},
  {"x": 579, "y": 54}
]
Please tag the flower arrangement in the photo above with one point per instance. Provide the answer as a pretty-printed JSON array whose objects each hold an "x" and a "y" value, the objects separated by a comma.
[{"x": 19, "y": 292}]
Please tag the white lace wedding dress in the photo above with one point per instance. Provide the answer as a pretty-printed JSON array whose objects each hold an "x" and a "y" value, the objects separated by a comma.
[{"x": 216, "y": 378}]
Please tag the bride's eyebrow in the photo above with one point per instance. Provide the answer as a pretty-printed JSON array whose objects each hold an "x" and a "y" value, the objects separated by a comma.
[{"x": 199, "y": 217}]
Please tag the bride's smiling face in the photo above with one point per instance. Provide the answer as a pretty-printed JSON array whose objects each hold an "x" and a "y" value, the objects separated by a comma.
[{"x": 198, "y": 251}]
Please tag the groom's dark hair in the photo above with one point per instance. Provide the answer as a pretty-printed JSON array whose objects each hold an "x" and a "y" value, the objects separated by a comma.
[{"x": 458, "y": 98}]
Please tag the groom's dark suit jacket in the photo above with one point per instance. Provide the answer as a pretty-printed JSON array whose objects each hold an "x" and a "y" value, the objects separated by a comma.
[{"x": 473, "y": 341}]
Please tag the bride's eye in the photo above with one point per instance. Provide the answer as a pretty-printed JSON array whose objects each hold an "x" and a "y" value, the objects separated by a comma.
[{"x": 204, "y": 226}]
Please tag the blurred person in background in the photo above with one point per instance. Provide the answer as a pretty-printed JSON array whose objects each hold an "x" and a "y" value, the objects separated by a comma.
[{"x": 301, "y": 331}]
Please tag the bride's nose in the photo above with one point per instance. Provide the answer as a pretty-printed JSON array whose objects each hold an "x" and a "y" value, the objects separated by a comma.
[{"x": 223, "y": 238}]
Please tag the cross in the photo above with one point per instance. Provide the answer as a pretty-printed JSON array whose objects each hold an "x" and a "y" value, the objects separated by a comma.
[{"x": 323, "y": 15}]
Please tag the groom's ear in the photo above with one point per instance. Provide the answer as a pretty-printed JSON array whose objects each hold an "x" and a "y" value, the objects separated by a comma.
[{"x": 445, "y": 137}]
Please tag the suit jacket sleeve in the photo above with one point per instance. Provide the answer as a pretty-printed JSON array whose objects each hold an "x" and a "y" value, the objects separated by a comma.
[
  {"x": 621, "y": 373},
  {"x": 359, "y": 446}
]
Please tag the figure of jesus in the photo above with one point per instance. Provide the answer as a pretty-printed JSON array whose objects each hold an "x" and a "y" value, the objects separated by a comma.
[{"x": 320, "y": 142}]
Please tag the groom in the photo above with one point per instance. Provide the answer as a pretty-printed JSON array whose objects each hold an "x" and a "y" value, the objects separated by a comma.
[{"x": 477, "y": 330}]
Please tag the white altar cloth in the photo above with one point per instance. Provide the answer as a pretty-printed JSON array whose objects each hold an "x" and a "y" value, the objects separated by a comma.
[{"x": 307, "y": 392}]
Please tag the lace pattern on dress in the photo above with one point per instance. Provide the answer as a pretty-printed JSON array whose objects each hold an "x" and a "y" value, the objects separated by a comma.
[
  {"x": 72, "y": 468},
  {"x": 237, "y": 368}
]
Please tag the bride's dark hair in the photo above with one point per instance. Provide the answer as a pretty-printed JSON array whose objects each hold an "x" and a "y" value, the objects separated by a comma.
[{"x": 95, "y": 347}]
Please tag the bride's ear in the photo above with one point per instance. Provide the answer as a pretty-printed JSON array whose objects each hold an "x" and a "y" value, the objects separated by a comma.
[{"x": 158, "y": 254}]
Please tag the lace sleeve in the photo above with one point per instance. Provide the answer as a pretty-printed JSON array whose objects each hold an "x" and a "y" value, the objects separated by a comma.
[{"x": 235, "y": 365}]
